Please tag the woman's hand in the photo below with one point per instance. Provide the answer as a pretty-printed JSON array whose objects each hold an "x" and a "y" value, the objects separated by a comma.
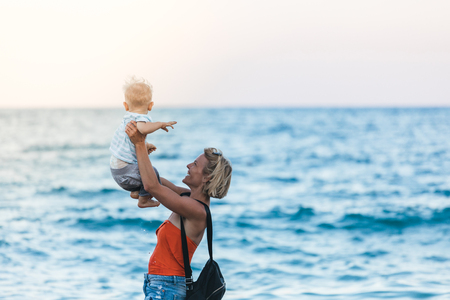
[
  {"x": 150, "y": 147},
  {"x": 135, "y": 136}
]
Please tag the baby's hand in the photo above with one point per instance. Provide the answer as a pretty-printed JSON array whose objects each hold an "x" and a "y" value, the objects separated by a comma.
[
  {"x": 167, "y": 124},
  {"x": 150, "y": 147}
]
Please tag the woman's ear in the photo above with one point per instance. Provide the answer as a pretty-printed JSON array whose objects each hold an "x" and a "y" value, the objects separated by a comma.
[{"x": 206, "y": 178}]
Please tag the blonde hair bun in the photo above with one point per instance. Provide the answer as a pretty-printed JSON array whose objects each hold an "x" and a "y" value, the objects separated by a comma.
[{"x": 219, "y": 171}]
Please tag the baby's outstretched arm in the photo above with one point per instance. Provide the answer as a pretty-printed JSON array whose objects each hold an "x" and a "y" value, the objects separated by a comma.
[{"x": 149, "y": 127}]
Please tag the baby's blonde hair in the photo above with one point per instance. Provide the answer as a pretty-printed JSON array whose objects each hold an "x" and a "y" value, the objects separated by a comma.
[
  {"x": 138, "y": 91},
  {"x": 219, "y": 171}
]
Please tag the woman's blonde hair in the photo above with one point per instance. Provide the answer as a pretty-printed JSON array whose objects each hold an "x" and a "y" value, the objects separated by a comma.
[
  {"x": 219, "y": 171},
  {"x": 138, "y": 91}
]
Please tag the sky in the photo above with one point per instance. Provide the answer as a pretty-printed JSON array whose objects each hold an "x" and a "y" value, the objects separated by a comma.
[{"x": 234, "y": 53}]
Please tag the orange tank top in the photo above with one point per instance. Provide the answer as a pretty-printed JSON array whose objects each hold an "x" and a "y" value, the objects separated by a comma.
[{"x": 167, "y": 258}]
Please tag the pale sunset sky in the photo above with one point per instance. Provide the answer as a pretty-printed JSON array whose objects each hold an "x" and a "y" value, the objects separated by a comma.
[{"x": 234, "y": 53}]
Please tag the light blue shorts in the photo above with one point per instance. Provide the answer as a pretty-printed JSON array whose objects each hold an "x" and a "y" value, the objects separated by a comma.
[{"x": 157, "y": 287}]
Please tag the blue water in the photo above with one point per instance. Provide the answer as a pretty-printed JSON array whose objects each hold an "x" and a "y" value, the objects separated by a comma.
[{"x": 324, "y": 203}]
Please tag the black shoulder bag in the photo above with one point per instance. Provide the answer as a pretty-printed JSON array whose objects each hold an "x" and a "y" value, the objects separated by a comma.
[{"x": 210, "y": 284}]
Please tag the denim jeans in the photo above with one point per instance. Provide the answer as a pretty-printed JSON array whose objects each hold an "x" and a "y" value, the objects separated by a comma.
[{"x": 157, "y": 287}]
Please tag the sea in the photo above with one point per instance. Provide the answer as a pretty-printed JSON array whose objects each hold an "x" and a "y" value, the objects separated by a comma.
[{"x": 324, "y": 203}]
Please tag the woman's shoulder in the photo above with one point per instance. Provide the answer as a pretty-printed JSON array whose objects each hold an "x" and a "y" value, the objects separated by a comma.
[{"x": 188, "y": 194}]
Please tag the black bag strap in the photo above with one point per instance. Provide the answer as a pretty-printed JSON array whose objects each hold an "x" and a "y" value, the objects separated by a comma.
[{"x": 187, "y": 266}]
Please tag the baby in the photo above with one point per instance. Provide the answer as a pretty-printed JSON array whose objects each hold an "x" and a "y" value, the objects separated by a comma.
[{"x": 123, "y": 163}]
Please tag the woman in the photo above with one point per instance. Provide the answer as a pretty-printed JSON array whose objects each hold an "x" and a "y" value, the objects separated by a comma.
[{"x": 208, "y": 176}]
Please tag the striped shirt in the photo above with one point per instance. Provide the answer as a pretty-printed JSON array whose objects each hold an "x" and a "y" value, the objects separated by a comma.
[{"x": 121, "y": 146}]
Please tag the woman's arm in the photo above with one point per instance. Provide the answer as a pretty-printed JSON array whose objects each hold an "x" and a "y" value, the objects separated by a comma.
[
  {"x": 184, "y": 206},
  {"x": 177, "y": 189}
]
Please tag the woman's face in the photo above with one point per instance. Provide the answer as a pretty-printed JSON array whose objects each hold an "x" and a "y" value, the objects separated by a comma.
[{"x": 195, "y": 176}]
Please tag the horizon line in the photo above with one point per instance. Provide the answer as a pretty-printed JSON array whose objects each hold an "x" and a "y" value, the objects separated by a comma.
[{"x": 238, "y": 107}]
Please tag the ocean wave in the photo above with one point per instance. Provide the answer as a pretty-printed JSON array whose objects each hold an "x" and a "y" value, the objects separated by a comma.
[
  {"x": 298, "y": 262},
  {"x": 385, "y": 221},
  {"x": 113, "y": 223},
  {"x": 278, "y": 250},
  {"x": 284, "y": 179},
  {"x": 377, "y": 295},
  {"x": 445, "y": 193},
  {"x": 373, "y": 254},
  {"x": 351, "y": 278},
  {"x": 241, "y": 224},
  {"x": 66, "y": 147},
  {"x": 302, "y": 213},
  {"x": 86, "y": 194},
  {"x": 280, "y": 128},
  {"x": 326, "y": 226},
  {"x": 349, "y": 194},
  {"x": 396, "y": 295},
  {"x": 4, "y": 244},
  {"x": 377, "y": 194},
  {"x": 438, "y": 259},
  {"x": 167, "y": 156},
  {"x": 95, "y": 193},
  {"x": 394, "y": 220},
  {"x": 336, "y": 158},
  {"x": 5, "y": 259},
  {"x": 34, "y": 253}
]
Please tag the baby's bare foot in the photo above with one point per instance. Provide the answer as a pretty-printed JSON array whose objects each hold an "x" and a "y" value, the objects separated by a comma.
[
  {"x": 134, "y": 195},
  {"x": 147, "y": 202}
]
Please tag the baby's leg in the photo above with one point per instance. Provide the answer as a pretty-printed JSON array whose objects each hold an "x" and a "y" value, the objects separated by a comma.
[
  {"x": 147, "y": 201},
  {"x": 134, "y": 195}
]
